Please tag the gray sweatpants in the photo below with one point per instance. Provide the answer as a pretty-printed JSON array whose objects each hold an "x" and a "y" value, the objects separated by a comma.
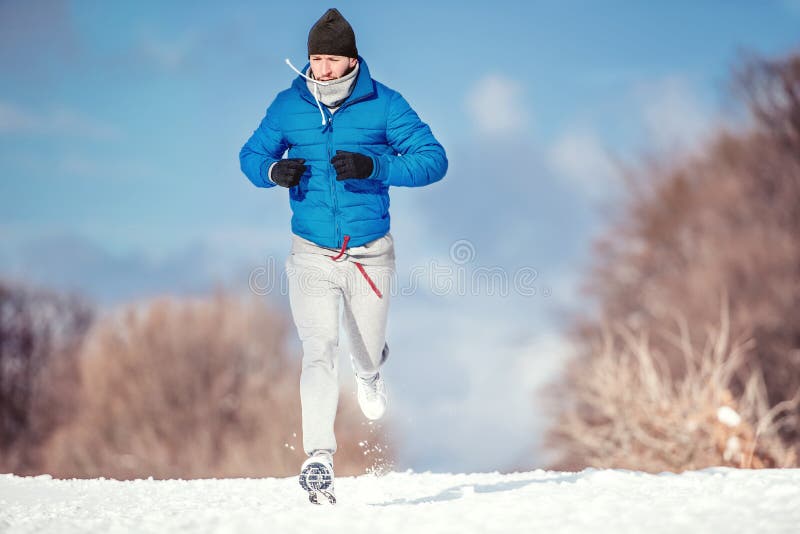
[{"x": 317, "y": 287}]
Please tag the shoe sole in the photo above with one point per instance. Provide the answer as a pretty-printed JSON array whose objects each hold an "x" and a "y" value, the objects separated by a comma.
[{"x": 316, "y": 476}]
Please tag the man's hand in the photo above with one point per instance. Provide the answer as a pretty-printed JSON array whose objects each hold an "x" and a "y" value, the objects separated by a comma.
[
  {"x": 287, "y": 172},
  {"x": 351, "y": 165}
]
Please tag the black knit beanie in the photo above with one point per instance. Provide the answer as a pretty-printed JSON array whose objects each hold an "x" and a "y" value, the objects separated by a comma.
[{"x": 333, "y": 35}]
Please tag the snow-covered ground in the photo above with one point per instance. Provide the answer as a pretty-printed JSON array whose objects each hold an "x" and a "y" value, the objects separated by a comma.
[{"x": 708, "y": 501}]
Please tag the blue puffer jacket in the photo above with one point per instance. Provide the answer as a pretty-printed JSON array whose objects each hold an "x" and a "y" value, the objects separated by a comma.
[{"x": 375, "y": 120}]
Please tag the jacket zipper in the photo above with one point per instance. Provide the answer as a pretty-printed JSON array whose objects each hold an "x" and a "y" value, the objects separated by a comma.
[
  {"x": 332, "y": 179},
  {"x": 338, "y": 230}
]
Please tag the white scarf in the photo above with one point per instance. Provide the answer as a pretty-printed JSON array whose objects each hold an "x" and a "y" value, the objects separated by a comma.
[
  {"x": 347, "y": 82},
  {"x": 335, "y": 91}
]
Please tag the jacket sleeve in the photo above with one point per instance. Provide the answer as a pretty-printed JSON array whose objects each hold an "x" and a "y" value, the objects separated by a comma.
[
  {"x": 419, "y": 159},
  {"x": 265, "y": 147}
]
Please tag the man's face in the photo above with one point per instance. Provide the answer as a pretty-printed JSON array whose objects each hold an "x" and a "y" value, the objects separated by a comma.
[{"x": 326, "y": 67}]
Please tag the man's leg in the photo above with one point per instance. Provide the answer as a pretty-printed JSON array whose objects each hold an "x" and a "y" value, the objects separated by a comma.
[
  {"x": 365, "y": 317},
  {"x": 314, "y": 299}
]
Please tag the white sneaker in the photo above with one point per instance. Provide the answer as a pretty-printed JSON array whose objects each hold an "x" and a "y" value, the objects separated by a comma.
[
  {"x": 316, "y": 476},
  {"x": 372, "y": 396}
]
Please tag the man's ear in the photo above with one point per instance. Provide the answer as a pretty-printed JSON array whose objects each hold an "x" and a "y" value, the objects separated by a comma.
[{"x": 353, "y": 62}]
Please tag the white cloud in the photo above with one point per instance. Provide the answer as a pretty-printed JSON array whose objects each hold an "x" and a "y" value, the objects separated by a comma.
[
  {"x": 93, "y": 262},
  {"x": 465, "y": 382},
  {"x": 99, "y": 165},
  {"x": 58, "y": 121},
  {"x": 495, "y": 104},
  {"x": 541, "y": 360},
  {"x": 168, "y": 54},
  {"x": 579, "y": 158},
  {"x": 669, "y": 114},
  {"x": 672, "y": 114},
  {"x": 83, "y": 165},
  {"x": 13, "y": 119}
]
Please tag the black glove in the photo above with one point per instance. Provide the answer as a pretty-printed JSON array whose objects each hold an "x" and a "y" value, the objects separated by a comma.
[
  {"x": 287, "y": 172},
  {"x": 351, "y": 165}
]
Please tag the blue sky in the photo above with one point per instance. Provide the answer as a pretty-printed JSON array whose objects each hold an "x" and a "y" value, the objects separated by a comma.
[{"x": 121, "y": 123}]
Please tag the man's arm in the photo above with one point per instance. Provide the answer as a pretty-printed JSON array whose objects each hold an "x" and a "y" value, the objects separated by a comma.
[
  {"x": 264, "y": 148},
  {"x": 421, "y": 160}
]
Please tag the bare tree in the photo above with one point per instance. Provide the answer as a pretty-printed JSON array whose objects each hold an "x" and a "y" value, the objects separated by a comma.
[
  {"x": 193, "y": 388},
  {"x": 627, "y": 410},
  {"x": 40, "y": 337},
  {"x": 725, "y": 221}
]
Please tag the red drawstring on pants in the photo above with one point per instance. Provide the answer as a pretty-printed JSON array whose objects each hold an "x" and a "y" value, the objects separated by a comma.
[{"x": 360, "y": 267}]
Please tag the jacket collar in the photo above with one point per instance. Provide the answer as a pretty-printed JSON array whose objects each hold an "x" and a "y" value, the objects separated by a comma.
[{"x": 364, "y": 87}]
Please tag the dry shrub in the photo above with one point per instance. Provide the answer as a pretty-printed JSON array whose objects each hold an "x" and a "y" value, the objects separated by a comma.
[
  {"x": 629, "y": 411},
  {"x": 190, "y": 388},
  {"x": 40, "y": 336},
  {"x": 723, "y": 221}
]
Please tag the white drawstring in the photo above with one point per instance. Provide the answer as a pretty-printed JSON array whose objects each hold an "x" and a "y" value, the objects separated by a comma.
[{"x": 316, "y": 88}]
